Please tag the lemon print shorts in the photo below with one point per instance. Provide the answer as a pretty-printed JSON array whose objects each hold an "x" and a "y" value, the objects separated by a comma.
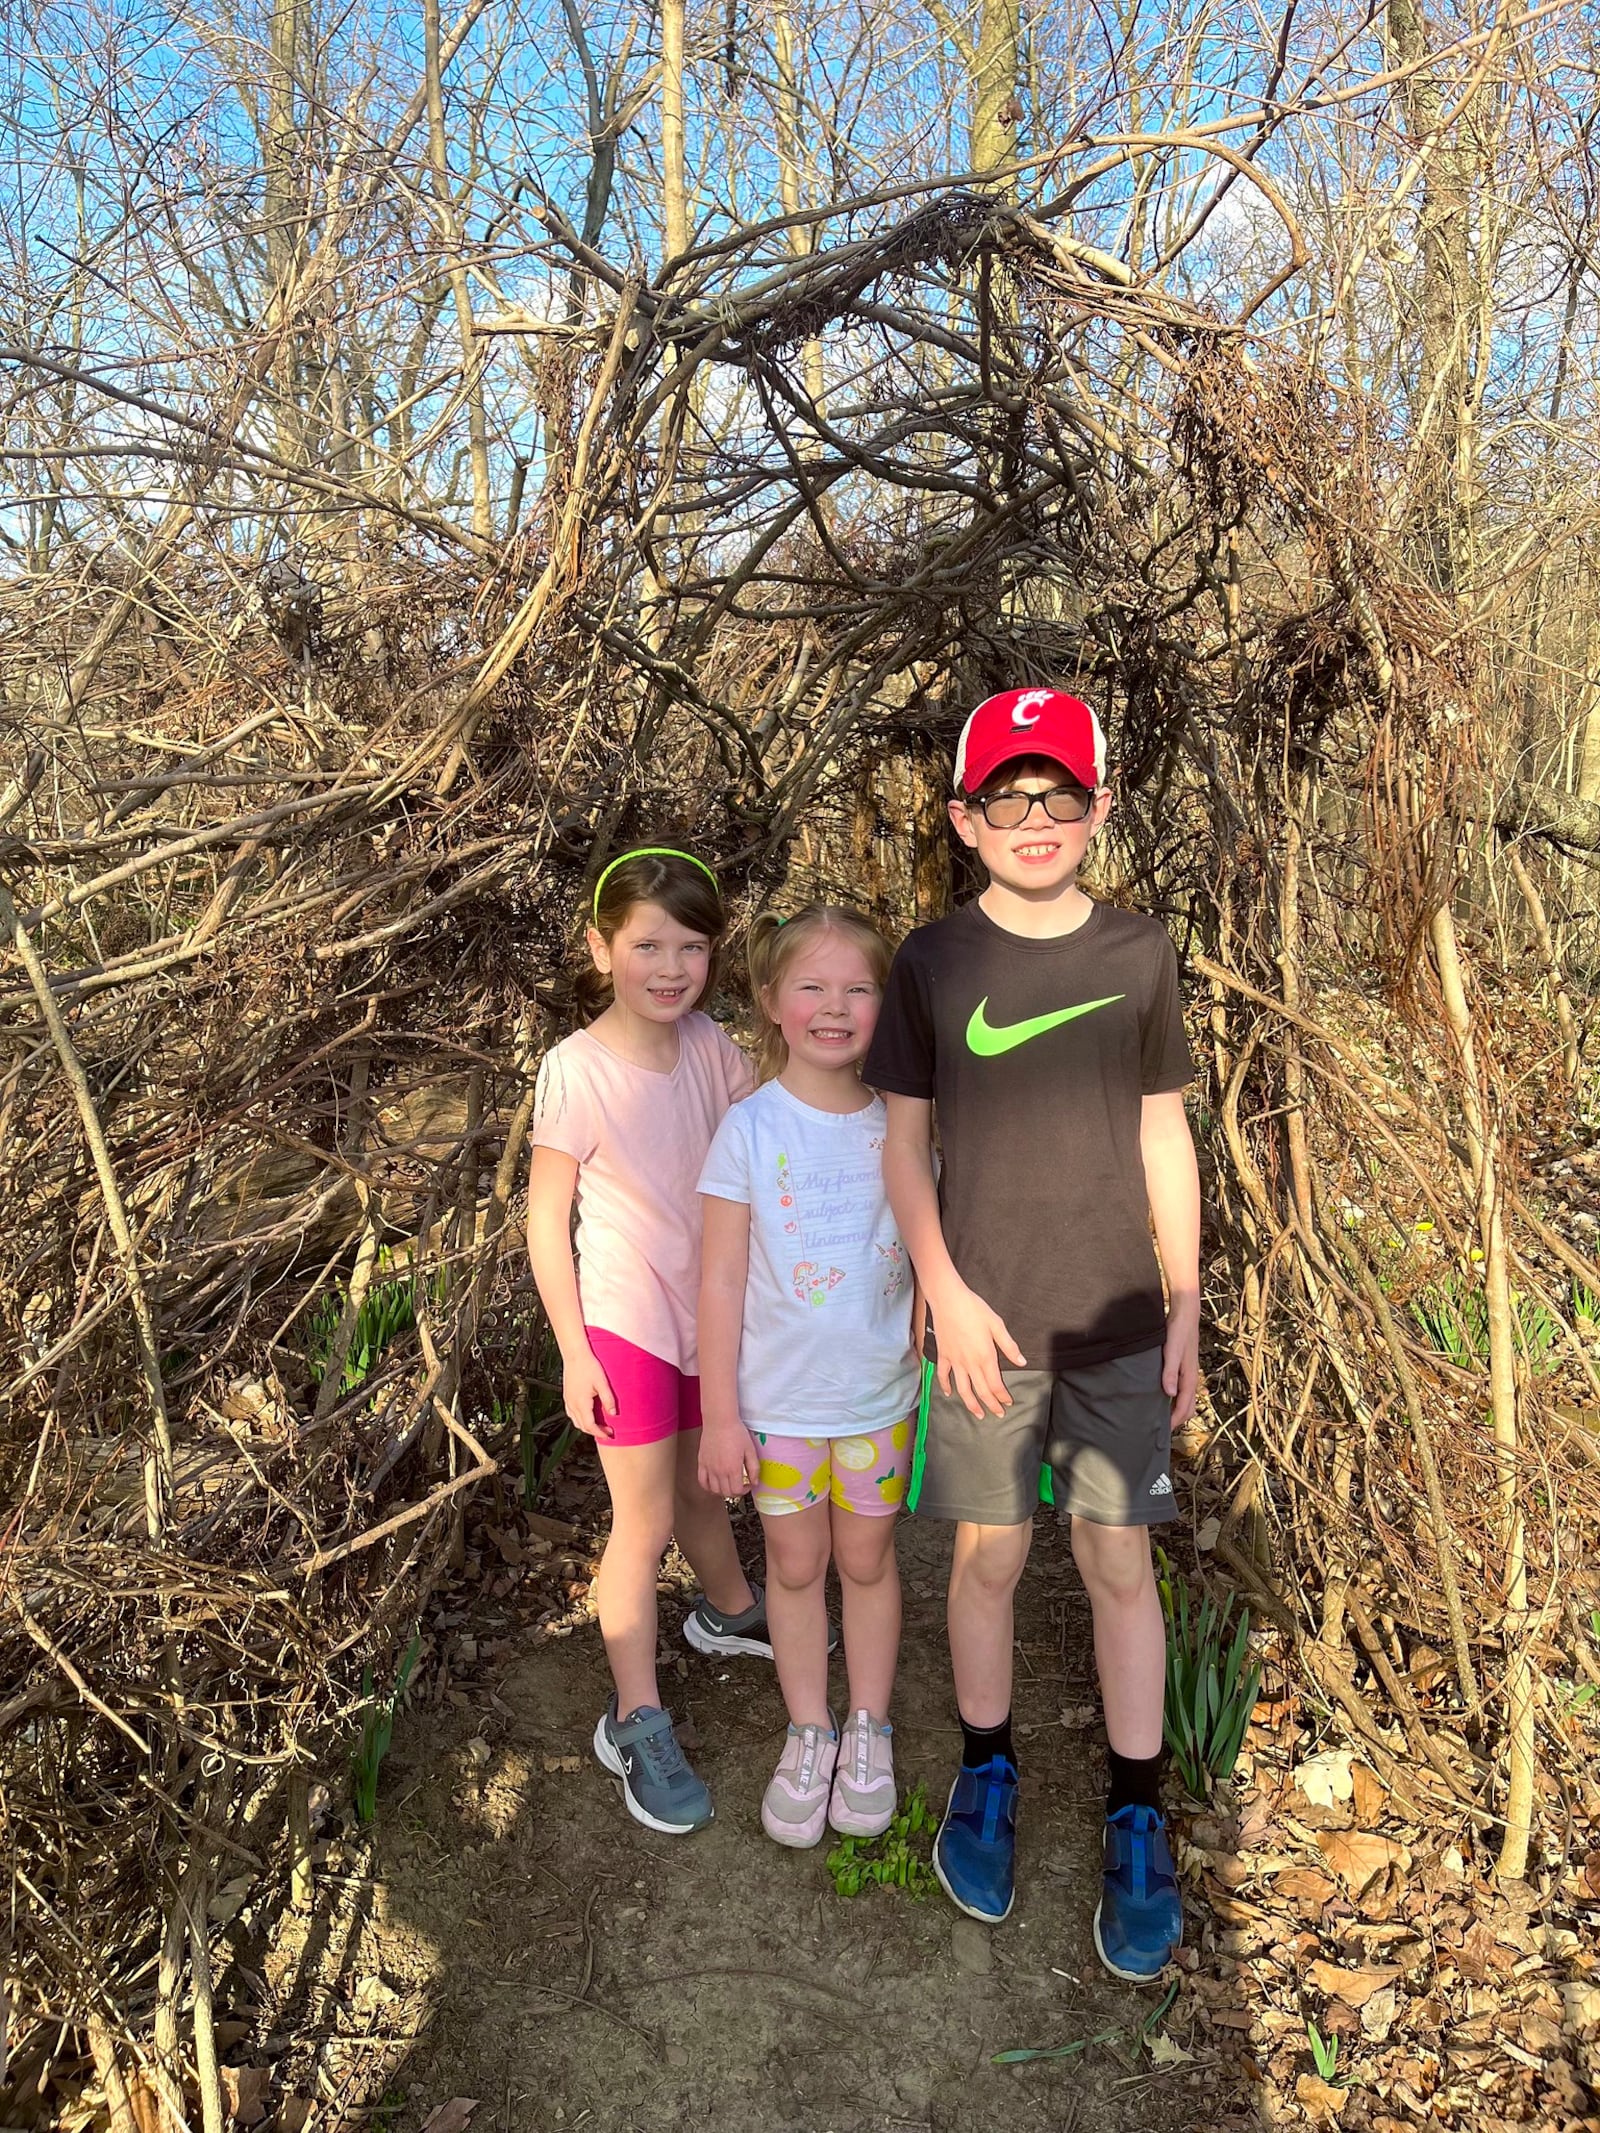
[{"x": 866, "y": 1474}]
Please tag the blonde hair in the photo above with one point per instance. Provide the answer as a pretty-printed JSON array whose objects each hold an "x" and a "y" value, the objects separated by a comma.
[{"x": 773, "y": 945}]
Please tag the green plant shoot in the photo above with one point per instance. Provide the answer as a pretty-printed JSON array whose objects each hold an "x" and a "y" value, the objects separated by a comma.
[
  {"x": 1212, "y": 1682},
  {"x": 897, "y": 1859},
  {"x": 1324, "y": 2050},
  {"x": 377, "y": 1730}
]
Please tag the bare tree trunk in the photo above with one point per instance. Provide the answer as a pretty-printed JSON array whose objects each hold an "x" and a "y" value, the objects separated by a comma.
[
  {"x": 994, "y": 85},
  {"x": 1482, "y": 1134},
  {"x": 471, "y": 355},
  {"x": 1560, "y": 998},
  {"x": 674, "y": 178},
  {"x": 287, "y": 35},
  {"x": 791, "y": 192},
  {"x": 1444, "y": 423}
]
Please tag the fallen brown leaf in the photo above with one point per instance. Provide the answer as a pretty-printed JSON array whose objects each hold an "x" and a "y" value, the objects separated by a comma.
[
  {"x": 244, "y": 2092},
  {"x": 1371, "y": 1797},
  {"x": 548, "y": 1529},
  {"x": 1570, "y": 2094},
  {"x": 1307, "y": 1886},
  {"x": 1226, "y": 1908},
  {"x": 1354, "y": 1986},
  {"x": 451, "y": 2117},
  {"x": 507, "y": 1543},
  {"x": 1539, "y": 2034},
  {"x": 1377, "y": 2017},
  {"x": 1320, "y": 2098},
  {"x": 1254, "y": 1825},
  {"x": 1359, "y": 1856}
]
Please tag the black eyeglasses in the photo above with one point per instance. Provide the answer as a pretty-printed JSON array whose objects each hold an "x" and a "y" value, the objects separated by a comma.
[{"x": 1009, "y": 810}]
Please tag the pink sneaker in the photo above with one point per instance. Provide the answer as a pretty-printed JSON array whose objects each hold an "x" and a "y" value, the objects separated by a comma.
[
  {"x": 795, "y": 1808},
  {"x": 863, "y": 1783}
]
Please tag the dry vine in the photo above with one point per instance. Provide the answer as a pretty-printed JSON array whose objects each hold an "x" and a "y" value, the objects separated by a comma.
[{"x": 289, "y": 889}]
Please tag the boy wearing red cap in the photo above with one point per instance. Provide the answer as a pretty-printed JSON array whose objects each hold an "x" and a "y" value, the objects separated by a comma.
[{"x": 1043, "y": 1032}]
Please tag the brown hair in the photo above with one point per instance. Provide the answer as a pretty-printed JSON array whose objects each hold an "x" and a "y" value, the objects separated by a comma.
[
  {"x": 1005, "y": 775},
  {"x": 682, "y": 888},
  {"x": 775, "y": 942}
]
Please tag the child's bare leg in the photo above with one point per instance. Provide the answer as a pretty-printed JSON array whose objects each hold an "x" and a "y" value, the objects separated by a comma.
[
  {"x": 639, "y": 1477},
  {"x": 797, "y": 1610},
  {"x": 705, "y": 1534},
  {"x": 869, "y": 1582},
  {"x": 1130, "y": 1644},
  {"x": 984, "y": 1570}
]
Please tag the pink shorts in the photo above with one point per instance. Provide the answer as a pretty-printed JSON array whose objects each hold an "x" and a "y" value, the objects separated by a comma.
[
  {"x": 865, "y": 1474},
  {"x": 655, "y": 1399}
]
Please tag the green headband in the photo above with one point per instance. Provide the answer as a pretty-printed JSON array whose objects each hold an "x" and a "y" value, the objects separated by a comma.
[{"x": 651, "y": 851}]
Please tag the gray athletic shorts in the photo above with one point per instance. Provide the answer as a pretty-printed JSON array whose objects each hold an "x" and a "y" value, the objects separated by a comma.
[{"x": 1096, "y": 1442}]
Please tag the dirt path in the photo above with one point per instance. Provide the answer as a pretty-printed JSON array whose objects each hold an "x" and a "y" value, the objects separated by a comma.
[{"x": 568, "y": 1968}]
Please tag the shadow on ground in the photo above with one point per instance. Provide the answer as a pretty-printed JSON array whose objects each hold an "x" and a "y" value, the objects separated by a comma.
[{"x": 537, "y": 1950}]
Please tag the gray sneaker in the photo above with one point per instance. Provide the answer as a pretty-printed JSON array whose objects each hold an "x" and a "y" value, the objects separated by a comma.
[
  {"x": 709, "y": 1630},
  {"x": 658, "y": 1785}
]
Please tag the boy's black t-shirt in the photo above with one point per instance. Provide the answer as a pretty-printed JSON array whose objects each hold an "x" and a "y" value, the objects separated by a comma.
[{"x": 1037, "y": 1056}]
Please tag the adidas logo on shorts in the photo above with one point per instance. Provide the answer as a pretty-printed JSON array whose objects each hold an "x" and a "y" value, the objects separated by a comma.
[{"x": 1162, "y": 1487}]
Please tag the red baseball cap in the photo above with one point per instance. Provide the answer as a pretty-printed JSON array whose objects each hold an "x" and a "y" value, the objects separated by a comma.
[{"x": 1031, "y": 722}]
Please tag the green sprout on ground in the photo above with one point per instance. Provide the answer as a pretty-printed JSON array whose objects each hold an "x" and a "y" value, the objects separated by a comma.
[
  {"x": 377, "y": 1730},
  {"x": 388, "y": 1309},
  {"x": 545, "y": 1436},
  {"x": 1580, "y": 1698},
  {"x": 1212, "y": 1682},
  {"x": 898, "y": 1859},
  {"x": 1454, "y": 1315},
  {"x": 1140, "y": 2034},
  {"x": 543, "y": 1451},
  {"x": 387, "y": 2113},
  {"x": 1324, "y": 2050},
  {"x": 1585, "y": 1311}
]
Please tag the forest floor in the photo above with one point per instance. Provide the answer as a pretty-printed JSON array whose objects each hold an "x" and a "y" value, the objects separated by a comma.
[
  {"x": 515, "y": 1938},
  {"x": 506, "y": 1938}
]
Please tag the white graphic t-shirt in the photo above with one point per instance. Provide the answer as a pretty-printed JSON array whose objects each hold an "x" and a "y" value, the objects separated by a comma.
[{"x": 826, "y": 1349}]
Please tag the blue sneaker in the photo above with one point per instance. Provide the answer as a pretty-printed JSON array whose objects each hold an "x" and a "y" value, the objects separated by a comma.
[
  {"x": 1138, "y": 1922},
  {"x": 975, "y": 1852}
]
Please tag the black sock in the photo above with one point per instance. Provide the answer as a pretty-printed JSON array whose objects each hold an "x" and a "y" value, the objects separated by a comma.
[
  {"x": 979, "y": 1743},
  {"x": 1135, "y": 1781}
]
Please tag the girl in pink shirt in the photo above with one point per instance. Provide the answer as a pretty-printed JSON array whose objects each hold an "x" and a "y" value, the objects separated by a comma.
[{"x": 624, "y": 1116}]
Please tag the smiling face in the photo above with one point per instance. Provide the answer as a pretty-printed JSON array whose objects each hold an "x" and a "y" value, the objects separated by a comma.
[
  {"x": 657, "y": 966},
  {"x": 825, "y": 1002},
  {"x": 1040, "y": 857}
]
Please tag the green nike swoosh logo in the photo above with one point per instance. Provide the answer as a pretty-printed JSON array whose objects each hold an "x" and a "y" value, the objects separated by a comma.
[{"x": 989, "y": 1042}]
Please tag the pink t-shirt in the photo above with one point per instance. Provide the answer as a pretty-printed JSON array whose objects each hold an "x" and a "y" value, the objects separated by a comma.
[{"x": 639, "y": 1139}]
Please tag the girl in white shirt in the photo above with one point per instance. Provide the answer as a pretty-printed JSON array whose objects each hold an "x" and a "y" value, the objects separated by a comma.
[{"x": 808, "y": 1375}]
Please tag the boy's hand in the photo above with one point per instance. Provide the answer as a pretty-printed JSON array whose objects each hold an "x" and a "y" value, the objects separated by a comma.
[
  {"x": 586, "y": 1395},
  {"x": 972, "y": 1339},
  {"x": 730, "y": 1462},
  {"x": 1180, "y": 1358}
]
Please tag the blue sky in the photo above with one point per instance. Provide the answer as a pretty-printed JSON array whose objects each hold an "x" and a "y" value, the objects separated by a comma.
[{"x": 132, "y": 196}]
